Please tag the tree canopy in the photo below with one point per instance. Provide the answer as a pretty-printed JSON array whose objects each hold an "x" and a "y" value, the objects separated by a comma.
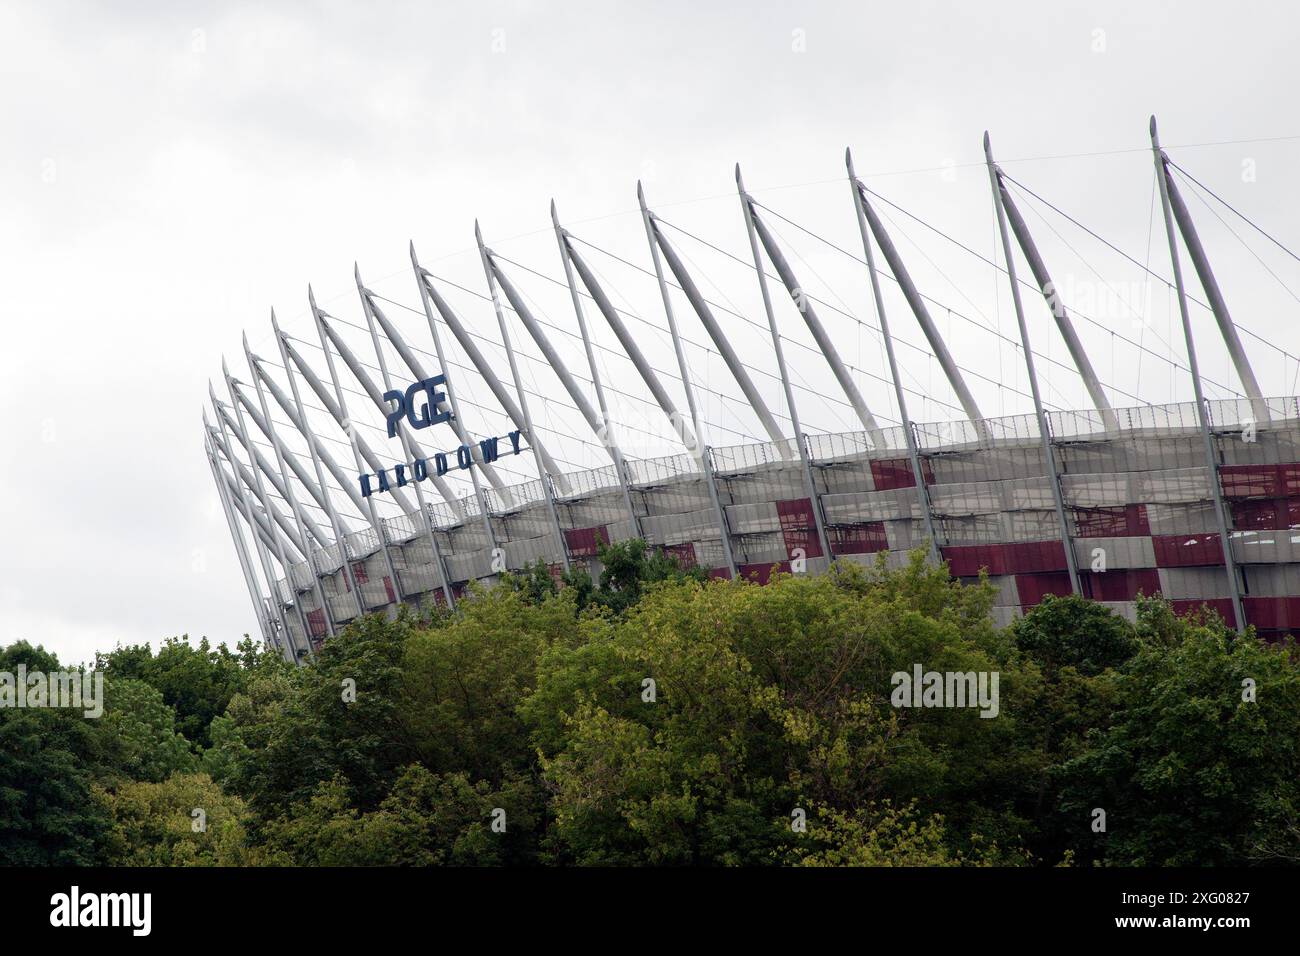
[{"x": 650, "y": 716}]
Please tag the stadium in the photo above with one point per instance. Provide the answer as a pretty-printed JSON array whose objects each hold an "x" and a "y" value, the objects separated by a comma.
[{"x": 398, "y": 447}]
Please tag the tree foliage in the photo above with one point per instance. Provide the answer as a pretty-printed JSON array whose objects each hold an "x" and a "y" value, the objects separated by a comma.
[{"x": 652, "y": 716}]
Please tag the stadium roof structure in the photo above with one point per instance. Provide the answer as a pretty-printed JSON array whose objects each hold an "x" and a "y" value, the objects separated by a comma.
[{"x": 334, "y": 515}]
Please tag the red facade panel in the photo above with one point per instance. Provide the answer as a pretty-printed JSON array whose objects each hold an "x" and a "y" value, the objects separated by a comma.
[
  {"x": 1120, "y": 584},
  {"x": 965, "y": 561},
  {"x": 1273, "y": 613},
  {"x": 684, "y": 553},
  {"x": 1289, "y": 478},
  {"x": 890, "y": 473},
  {"x": 1221, "y": 606},
  {"x": 1187, "y": 550},
  {"x": 1124, "y": 521},
  {"x": 1261, "y": 481},
  {"x": 1268, "y": 514},
  {"x": 1032, "y": 588},
  {"x": 867, "y": 537},
  {"x": 585, "y": 542},
  {"x": 761, "y": 573},
  {"x": 1025, "y": 557},
  {"x": 799, "y": 527},
  {"x": 316, "y": 623}
]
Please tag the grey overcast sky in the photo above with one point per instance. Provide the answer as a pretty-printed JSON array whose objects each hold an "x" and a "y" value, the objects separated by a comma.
[{"x": 171, "y": 171}]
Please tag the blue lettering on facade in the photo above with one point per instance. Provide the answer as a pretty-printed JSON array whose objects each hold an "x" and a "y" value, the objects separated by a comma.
[{"x": 408, "y": 406}]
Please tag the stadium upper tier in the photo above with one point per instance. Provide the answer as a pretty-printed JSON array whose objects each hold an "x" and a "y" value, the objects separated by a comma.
[
  {"x": 1138, "y": 499},
  {"x": 1198, "y": 501}
]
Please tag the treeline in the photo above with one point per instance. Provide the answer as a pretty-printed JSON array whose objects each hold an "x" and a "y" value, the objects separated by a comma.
[{"x": 654, "y": 718}]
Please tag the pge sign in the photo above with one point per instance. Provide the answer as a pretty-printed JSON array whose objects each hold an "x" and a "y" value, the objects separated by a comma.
[
  {"x": 417, "y": 414},
  {"x": 418, "y": 405}
]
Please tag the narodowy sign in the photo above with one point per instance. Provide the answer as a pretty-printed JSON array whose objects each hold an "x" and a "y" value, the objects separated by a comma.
[{"x": 422, "y": 415}]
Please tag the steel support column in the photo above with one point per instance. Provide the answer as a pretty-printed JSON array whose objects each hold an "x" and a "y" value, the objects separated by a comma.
[
  {"x": 814, "y": 499},
  {"x": 265, "y": 501},
  {"x": 272, "y": 585},
  {"x": 630, "y": 347},
  {"x": 606, "y": 431},
  {"x": 297, "y": 414},
  {"x": 545, "y": 479},
  {"x": 300, "y": 519},
  {"x": 408, "y": 444},
  {"x": 355, "y": 440},
  {"x": 1049, "y": 454},
  {"x": 1202, "y": 412},
  {"x": 803, "y": 302},
  {"x": 1055, "y": 302},
  {"x": 289, "y": 531},
  {"x": 451, "y": 401},
  {"x": 264, "y": 425},
  {"x": 1218, "y": 305},
  {"x": 237, "y": 537},
  {"x": 261, "y": 464},
  {"x": 377, "y": 397},
  {"x": 701, "y": 448},
  {"x": 710, "y": 323},
  {"x": 922, "y": 313},
  {"x": 242, "y": 486},
  {"x": 417, "y": 368},
  {"x": 429, "y": 294},
  {"x": 552, "y": 357},
  {"x": 913, "y": 453}
]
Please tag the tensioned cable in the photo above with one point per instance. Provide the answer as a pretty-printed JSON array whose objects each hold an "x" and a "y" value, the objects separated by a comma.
[
  {"x": 576, "y": 336},
  {"x": 1014, "y": 343},
  {"x": 1026, "y": 284},
  {"x": 532, "y": 358},
  {"x": 549, "y": 325},
  {"x": 1121, "y": 252},
  {"x": 1213, "y": 212},
  {"x": 795, "y": 342},
  {"x": 926, "y": 169},
  {"x": 538, "y": 395},
  {"x": 924, "y": 392},
  {"x": 734, "y": 309},
  {"x": 1196, "y": 192},
  {"x": 833, "y": 308},
  {"x": 1241, "y": 215},
  {"x": 839, "y": 180},
  {"x": 1166, "y": 341},
  {"x": 1169, "y": 358}
]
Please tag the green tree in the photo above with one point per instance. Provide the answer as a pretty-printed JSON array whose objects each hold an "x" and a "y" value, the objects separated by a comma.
[
  {"x": 1074, "y": 632},
  {"x": 427, "y": 819},
  {"x": 140, "y": 732},
  {"x": 767, "y": 698},
  {"x": 1191, "y": 771},
  {"x": 197, "y": 682},
  {"x": 49, "y": 760},
  {"x": 344, "y": 715},
  {"x": 882, "y": 835},
  {"x": 185, "y": 820}
]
